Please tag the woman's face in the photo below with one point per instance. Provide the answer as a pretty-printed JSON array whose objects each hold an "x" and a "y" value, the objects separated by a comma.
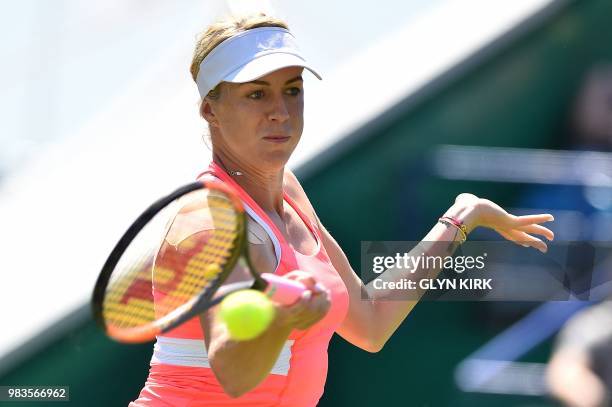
[{"x": 258, "y": 124}]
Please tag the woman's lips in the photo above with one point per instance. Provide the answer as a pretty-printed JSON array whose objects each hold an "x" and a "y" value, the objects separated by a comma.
[{"x": 277, "y": 139}]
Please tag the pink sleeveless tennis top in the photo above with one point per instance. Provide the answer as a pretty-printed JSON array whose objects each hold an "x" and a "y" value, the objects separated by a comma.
[{"x": 180, "y": 373}]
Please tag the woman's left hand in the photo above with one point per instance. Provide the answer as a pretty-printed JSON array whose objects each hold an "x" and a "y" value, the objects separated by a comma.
[{"x": 518, "y": 229}]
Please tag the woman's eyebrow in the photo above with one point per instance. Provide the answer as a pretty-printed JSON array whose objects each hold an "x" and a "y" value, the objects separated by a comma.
[{"x": 258, "y": 82}]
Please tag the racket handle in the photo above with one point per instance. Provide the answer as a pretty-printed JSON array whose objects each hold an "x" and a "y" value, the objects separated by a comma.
[{"x": 283, "y": 290}]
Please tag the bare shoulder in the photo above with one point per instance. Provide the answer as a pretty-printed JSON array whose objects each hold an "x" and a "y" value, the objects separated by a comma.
[
  {"x": 292, "y": 184},
  {"x": 294, "y": 189}
]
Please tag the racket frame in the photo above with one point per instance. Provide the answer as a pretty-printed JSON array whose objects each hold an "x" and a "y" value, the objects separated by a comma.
[{"x": 198, "y": 303}]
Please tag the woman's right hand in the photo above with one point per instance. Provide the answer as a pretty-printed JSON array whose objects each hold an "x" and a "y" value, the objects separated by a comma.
[
  {"x": 229, "y": 357},
  {"x": 312, "y": 306}
]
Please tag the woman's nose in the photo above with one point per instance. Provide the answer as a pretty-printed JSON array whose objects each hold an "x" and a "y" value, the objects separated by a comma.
[{"x": 279, "y": 111}]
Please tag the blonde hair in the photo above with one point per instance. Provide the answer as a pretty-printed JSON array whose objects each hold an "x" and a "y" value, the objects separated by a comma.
[{"x": 220, "y": 31}]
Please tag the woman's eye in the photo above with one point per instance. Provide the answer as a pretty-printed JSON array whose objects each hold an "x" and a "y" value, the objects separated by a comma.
[
  {"x": 294, "y": 91},
  {"x": 258, "y": 94}
]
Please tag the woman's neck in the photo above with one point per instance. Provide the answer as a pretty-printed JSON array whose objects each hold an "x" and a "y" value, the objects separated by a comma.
[{"x": 264, "y": 187}]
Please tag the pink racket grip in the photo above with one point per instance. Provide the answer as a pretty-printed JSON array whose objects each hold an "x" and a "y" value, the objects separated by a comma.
[{"x": 283, "y": 290}]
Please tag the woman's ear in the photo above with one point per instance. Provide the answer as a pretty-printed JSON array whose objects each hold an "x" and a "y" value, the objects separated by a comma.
[{"x": 206, "y": 111}]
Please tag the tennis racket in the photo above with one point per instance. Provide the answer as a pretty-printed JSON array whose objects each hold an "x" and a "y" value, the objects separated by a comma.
[{"x": 171, "y": 261}]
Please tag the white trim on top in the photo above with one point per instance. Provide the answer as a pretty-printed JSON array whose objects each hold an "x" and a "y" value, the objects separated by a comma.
[
  {"x": 192, "y": 353},
  {"x": 260, "y": 221}
]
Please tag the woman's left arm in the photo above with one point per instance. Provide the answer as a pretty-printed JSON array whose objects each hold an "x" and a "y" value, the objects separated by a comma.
[{"x": 372, "y": 318}]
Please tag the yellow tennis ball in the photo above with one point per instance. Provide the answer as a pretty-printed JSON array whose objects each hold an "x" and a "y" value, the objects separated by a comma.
[{"x": 246, "y": 313}]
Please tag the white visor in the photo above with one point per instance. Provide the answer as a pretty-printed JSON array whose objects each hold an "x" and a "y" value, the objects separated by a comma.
[{"x": 249, "y": 55}]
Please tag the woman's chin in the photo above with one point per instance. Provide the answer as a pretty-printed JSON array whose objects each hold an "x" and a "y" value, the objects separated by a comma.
[{"x": 275, "y": 157}]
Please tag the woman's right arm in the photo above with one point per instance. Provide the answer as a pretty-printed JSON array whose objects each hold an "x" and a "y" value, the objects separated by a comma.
[{"x": 241, "y": 365}]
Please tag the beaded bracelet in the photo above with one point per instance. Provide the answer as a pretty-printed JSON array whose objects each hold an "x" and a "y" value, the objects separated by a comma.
[{"x": 447, "y": 220}]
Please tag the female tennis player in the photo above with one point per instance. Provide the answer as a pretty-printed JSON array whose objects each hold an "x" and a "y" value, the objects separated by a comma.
[{"x": 249, "y": 74}]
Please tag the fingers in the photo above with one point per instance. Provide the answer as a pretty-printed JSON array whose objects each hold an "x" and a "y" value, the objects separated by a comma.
[
  {"x": 312, "y": 306},
  {"x": 531, "y": 219},
  {"x": 302, "y": 277},
  {"x": 524, "y": 225},
  {"x": 319, "y": 306},
  {"x": 538, "y": 230},
  {"x": 315, "y": 303},
  {"x": 309, "y": 309},
  {"x": 524, "y": 239},
  {"x": 307, "y": 280},
  {"x": 505, "y": 235}
]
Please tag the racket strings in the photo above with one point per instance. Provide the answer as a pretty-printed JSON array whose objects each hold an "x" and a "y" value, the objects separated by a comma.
[
  {"x": 203, "y": 268},
  {"x": 146, "y": 291}
]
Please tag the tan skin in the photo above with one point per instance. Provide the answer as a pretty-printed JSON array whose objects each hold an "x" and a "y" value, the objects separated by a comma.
[
  {"x": 242, "y": 121},
  {"x": 572, "y": 380}
]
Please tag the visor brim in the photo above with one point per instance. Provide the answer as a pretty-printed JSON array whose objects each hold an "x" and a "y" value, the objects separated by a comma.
[{"x": 266, "y": 64}]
